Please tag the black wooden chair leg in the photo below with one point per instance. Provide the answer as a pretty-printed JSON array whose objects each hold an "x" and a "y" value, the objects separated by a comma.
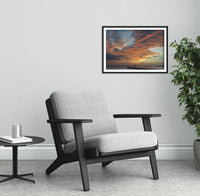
[
  {"x": 104, "y": 164},
  {"x": 154, "y": 168},
  {"x": 81, "y": 155},
  {"x": 84, "y": 175},
  {"x": 57, "y": 163}
]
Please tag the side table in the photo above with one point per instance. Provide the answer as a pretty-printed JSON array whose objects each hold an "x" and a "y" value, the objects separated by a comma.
[{"x": 35, "y": 140}]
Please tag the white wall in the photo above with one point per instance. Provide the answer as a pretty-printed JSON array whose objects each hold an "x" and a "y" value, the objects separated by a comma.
[{"x": 56, "y": 45}]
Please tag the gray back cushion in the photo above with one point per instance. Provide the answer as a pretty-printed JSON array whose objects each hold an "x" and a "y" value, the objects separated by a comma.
[{"x": 83, "y": 105}]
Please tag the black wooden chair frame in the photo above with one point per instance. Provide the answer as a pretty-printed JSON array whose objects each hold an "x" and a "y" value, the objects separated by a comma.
[{"x": 90, "y": 156}]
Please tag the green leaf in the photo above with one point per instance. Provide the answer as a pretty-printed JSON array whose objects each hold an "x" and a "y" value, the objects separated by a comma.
[
  {"x": 198, "y": 39},
  {"x": 192, "y": 73}
]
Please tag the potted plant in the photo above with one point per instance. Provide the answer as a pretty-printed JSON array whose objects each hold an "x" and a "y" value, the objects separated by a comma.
[{"x": 187, "y": 76}]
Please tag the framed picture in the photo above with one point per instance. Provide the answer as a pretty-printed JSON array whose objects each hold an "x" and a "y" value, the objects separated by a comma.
[{"x": 135, "y": 49}]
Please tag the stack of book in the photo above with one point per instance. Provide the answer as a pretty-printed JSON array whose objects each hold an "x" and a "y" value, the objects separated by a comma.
[{"x": 11, "y": 140}]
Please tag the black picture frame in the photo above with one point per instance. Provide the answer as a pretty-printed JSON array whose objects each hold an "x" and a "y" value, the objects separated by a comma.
[{"x": 121, "y": 43}]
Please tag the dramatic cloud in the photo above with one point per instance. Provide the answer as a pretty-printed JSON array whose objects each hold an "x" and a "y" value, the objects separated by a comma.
[
  {"x": 134, "y": 47},
  {"x": 113, "y": 57}
]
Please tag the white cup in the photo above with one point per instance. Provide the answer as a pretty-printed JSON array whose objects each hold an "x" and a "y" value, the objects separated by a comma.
[{"x": 16, "y": 131}]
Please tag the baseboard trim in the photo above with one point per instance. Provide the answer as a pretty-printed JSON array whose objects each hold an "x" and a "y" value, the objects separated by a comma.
[
  {"x": 175, "y": 152},
  {"x": 47, "y": 152},
  {"x": 36, "y": 152}
]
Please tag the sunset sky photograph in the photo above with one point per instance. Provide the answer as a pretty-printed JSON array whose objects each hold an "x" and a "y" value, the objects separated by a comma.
[{"x": 134, "y": 49}]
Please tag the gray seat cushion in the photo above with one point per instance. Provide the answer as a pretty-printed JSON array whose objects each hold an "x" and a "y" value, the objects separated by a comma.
[
  {"x": 88, "y": 104},
  {"x": 113, "y": 142}
]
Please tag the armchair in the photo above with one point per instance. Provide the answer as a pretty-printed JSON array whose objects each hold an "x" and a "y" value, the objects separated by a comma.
[{"x": 84, "y": 130}]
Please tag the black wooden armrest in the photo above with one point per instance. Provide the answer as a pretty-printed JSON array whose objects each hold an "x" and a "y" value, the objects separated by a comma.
[
  {"x": 135, "y": 115},
  {"x": 145, "y": 118},
  {"x": 57, "y": 121}
]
